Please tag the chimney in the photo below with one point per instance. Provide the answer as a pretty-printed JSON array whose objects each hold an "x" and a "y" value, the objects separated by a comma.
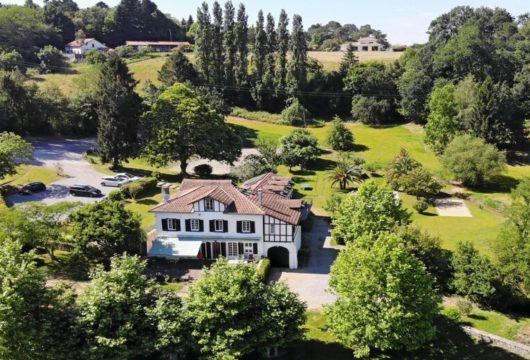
[{"x": 260, "y": 197}]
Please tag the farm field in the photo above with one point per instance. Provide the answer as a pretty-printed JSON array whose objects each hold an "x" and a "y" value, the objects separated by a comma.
[
  {"x": 380, "y": 145},
  {"x": 82, "y": 76}
]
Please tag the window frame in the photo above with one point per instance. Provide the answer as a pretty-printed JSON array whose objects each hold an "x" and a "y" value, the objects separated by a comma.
[
  {"x": 197, "y": 222},
  {"x": 172, "y": 224},
  {"x": 218, "y": 228},
  {"x": 246, "y": 226},
  {"x": 272, "y": 229},
  {"x": 207, "y": 202}
]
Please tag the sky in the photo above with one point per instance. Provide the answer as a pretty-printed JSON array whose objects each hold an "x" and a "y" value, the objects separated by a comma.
[{"x": 404, "y": 21}]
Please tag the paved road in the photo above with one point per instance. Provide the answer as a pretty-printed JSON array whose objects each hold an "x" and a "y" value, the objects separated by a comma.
[
  {"x": 311, "y": 283},
  {"x": 67, "y": 153}
]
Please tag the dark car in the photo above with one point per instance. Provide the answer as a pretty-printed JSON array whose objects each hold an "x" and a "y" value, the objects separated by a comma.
[
  {"x": 84, "y": 190},
  {"x": 32, "y": 187}
]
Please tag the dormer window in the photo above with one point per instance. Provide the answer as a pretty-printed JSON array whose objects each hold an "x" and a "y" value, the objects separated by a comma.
[{"x": 208, "y": 204}]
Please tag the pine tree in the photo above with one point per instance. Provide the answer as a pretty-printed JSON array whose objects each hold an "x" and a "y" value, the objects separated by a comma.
[
  {"x": 283, "y": 48},
  {"x": 258, "y": 60},
  {"x": 229, "y": 44},
  {"x": 348, "y": 60},
  {"x": 203, "y": 42},
  {"x": 242, "y": 46},
  {"x": 118, "y": 109},
  {"x": 298, "y": 66},
  {"x": 177, "y": 68},
  {"x": 217, "y": 45}
]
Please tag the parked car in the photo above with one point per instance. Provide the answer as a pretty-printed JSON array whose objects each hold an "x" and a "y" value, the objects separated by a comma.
[
  {"x": 32, "y": 187},
  {"x": 116, "y": 181},
  {"x": 84, "y": 190},
  {"x": 127, "y": 176}
]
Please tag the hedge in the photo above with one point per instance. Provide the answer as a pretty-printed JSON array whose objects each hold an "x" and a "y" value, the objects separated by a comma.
[
  {"x": 146, "y": 184},
  {"x": 263, "y": 269}
]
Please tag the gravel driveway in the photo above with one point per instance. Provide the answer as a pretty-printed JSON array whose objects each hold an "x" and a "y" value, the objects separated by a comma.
[
  {"x": 311, "y": 283},
  {"x": 68, "y": 154},
  {"x": 219, "y": 168}
]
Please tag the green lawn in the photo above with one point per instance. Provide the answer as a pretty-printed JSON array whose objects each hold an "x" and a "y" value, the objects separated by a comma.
[{"x": 30, "y": 173}]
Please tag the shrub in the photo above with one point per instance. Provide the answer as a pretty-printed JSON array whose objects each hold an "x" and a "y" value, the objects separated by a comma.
[
  {"x": 203, "y": 170},
  {"x": 370, "y": 110},
  {"x": 340, "y": 138},
  {"x": 256, "y": 115},
  {"x": 125, "y": 51},
  {"x": 146, "y": 51},
  {"x": 263, "y": 269},
  {"x": 453, "y": 314},
  {"x": 421, "y": 205},
  {"x": 465, "y": 307},
  {"x": 295, "y": 113},
  {"x": 51, "y": 59},
  {"x": 374, "y": 167},
  {"x": 131, "y": 190},
  {"x": 116, "y": 195},
  {"x": 95, "y": 57}
]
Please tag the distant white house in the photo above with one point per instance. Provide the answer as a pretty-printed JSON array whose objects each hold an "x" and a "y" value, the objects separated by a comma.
[
  {"x": 369, "y": 43},
  {"x": 206, "y": 219},
  {"x": 81, "y": 46}
]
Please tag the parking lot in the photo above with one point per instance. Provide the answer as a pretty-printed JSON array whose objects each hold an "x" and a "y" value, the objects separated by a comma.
[{"x": 66, "y": 154}]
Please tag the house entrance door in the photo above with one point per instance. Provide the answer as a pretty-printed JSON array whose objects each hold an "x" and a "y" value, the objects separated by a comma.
[
  {"x": 233, "y": 251},
  {"x": 249, "y": 250}
]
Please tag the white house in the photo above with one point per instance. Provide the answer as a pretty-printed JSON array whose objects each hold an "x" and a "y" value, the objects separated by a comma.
[
  {"x": 368, "y": 43},
  {"x": 206, "y": 219},
  {"x": 80, "y": 46}
]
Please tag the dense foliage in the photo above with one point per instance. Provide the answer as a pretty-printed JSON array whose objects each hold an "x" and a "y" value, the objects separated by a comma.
[
  {"x": 13, "y": 151},
  {"x": 299, "y": 148}
]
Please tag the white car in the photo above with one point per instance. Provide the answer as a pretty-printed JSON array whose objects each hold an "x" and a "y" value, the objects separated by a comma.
[
  {"x": 127, "y": 176},
  {"x": 114, "y": 181}
]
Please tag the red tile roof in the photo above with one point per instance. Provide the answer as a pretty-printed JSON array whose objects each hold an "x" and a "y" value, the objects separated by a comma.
[
  {"x": 272, "y": 204},
  {"x": 269, "y": 181},
  {"x": 79, "y": 43}
]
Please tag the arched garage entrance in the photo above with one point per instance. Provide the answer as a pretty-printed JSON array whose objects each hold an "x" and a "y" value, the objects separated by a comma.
[{"x": 279, "y": 256}]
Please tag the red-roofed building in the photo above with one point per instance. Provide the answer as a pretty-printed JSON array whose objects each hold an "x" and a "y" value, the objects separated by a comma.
[{"x": 212, "y": 218}]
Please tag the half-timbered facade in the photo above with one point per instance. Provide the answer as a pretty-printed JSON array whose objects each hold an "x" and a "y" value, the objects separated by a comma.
[{"x": 207, "y": 219}]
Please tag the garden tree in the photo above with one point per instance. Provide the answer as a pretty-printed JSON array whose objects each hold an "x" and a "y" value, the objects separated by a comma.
[
  {"x": 283, "y": 48},
  {"x": 92, "y": 21},
  {"x": 521, "y": 87},
  {"x": 261, "y": 315},
  {"x": 372, "y": 92},
  {"x": 118, "y": 110},
  {"x": 446, "y": 26},
  {"x": 442, "y": 124},
  {"x": 414, "y": 88},
  {"x": 251, "y": 166},
  {"x": 386, "y": 299},
  {"x": 407, "y": 175},
  {"x": 104, "y": 229},
  {"x": 34, "y": 318},
  {"x": 94, "y": 57},
  {"x": 340, "y": 138},
  {"x": 294, "y": 113},
  {"x": 372, "y": 210},
  {"x": 182, "y": 124},
  {"x": 23, "y": 29},
  {"x": 465, "y": 97},
  {"x": 13, "y": 151},
  {"x": 217, "y": 50},
  {"x": 495, "y": 117},
  {"x": 229, "y": 44},
  {"x": 204, "y": 44},
  {"x": 298, "y": 148},
  {"x": 123, "y": 316},
  {"x": 348, "y": 60},
  {"x": 513, "y": 247},
  {"x": 345, "y": 172},
  {"x": 428, "y": 250},
  {"x": 177, "y": 68},
  {"x": 59, "y": 13},
  {"x": 474, "y": 275},
  {"x": 472, "y": 161},
  {"x": 269, "y": 149},
  {"x": 11, "y": 61},
  {"x": 241, "y": 64},
  {"x": 259, "y": 53},
  {"x": 51, "y": 60},
  {"x": 37, "y": 226},
  {"x": 297, "y": 69}
]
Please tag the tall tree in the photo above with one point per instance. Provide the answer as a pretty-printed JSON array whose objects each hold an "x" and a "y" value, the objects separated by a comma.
[
  {"x": 386, "y": 299},
  {"x": 283, "y": 48},
  {"x": 177, "y": 68},
  {"x": 259, "y": 54},
  {"x": 203, "y": 43},
  {"x": 442, "y": 124},
  {"x": 242, "y": 46},
  {"x": 348, "y": 60},
  {"x": 13, "y": 150},
  {"x": 119, "y": 108},
  {"x": 298, "y": 65},
  {"x": 229, "y": 44},
  {"x": 217, "y": 45},
  {"x": 181, "y": 124},
  {"x": 270, "y": 55}
]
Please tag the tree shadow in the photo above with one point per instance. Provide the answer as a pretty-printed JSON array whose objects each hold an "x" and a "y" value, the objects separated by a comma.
[
  {"x": 477, "y": 317},
  {"x": 247, "y": 135},
  {"x": 322, "y": 164},
  {"x": 147, "y": 202},
  {"x": 299, "y": 173},
  {"x": 359, "y": 148},
  {"x": 500, "y": 183}
]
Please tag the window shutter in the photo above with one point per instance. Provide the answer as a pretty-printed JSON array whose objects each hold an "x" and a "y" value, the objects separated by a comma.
[
  {"x": 201, "y": 225},
  {"x": 240, "y": 248},
  {"x": 187, "y": 224},
  {"x": 178, "y": 225},
  {"x": 255, "y": 248},
  {"x": 164, "y": 224},
  {"x": 212, "y": 225},
  {"x": 223, "y": 249},
  {"x": 239, "y": 227},
  {"x": 253, "y": 228},
  {"x": 225, "y": 226}
]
